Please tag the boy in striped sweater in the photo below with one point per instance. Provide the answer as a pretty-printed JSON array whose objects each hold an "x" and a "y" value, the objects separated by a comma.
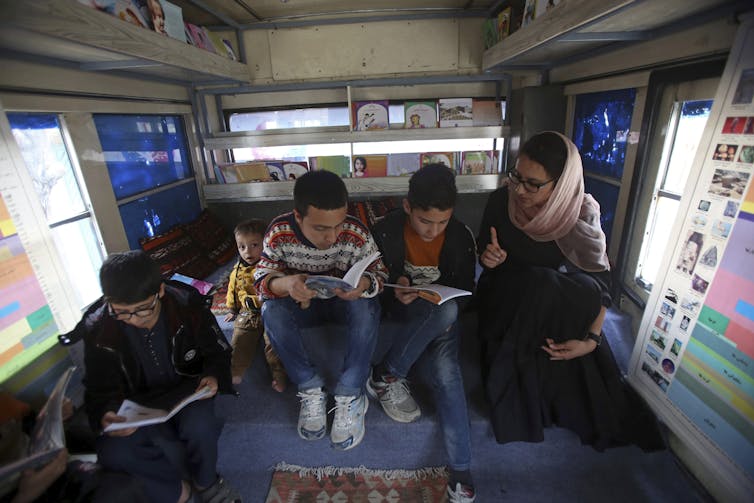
[{"x": 319, "y": 238}]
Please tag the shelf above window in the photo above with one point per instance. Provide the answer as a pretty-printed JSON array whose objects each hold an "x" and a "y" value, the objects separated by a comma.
[
  {"x": 72, "y": 32},
  {"x": 357, "y": 187},
  {"x": 312, "y": 136}
]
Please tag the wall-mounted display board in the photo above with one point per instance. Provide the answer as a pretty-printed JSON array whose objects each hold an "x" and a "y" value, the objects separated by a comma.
[
  {"x": 34, "y": 301},
  {"x": 694, "y": 357}
]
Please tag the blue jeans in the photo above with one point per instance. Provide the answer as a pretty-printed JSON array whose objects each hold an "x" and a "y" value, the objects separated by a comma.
[
  {"x": 159, "y": 456},
  {"x": 428, "y": 330},
  {"x": 284, "y": 321}
]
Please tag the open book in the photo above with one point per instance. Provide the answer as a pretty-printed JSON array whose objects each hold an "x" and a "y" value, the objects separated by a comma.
[
  {"x": 47, "y": 437},
  {"x": 138, "y": 415},
  {"x": 437, "y": 294},
  {"x": 204, "y": 287},
  {"x": 326, "y": 284}
]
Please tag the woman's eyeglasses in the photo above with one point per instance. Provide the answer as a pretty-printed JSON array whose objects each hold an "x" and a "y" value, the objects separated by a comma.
[
  {"x": 516, "y": 180},
  {"x": 141, "y": 313}
]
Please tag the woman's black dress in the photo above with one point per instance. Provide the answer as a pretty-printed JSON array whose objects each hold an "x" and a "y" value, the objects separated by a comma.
[{"x": 533, "y": 296}]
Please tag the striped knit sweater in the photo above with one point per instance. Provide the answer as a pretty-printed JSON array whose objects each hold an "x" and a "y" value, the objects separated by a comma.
[{"x": 286, "y": 251}]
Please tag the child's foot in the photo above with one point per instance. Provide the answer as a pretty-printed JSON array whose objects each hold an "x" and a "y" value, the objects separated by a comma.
[{"x": 237, "y": 379}]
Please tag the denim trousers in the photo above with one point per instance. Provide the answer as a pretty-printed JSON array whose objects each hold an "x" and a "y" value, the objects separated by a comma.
[
  {"x": 431, "y": 332},
  {"x": 159, "y": 456},
  {"x": 285, "y": 321}
]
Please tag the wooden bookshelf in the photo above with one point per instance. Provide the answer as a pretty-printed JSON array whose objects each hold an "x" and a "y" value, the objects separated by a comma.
[{"x": 69, "y": 31}]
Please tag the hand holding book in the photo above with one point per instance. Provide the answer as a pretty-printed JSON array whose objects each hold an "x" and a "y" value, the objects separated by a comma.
[{"x": 436, "y": 294}]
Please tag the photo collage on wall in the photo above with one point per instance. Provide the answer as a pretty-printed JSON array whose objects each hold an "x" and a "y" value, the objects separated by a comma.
[{"x": 713, "y": 212}]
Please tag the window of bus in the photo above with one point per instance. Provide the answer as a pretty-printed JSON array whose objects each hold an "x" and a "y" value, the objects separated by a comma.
[
  {"x": 56, "y": 180},
  {"x": 152, "y": 178}
]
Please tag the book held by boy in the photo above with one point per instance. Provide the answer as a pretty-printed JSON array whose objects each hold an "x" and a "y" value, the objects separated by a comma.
[
  {"x": 138, "y": 415},
  {"x": 326, "y": 285},
  {"x": 437, "y": 294}
]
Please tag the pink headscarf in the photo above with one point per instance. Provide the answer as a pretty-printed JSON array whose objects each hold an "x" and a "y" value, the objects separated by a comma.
[{"x": 570, "y": 217}]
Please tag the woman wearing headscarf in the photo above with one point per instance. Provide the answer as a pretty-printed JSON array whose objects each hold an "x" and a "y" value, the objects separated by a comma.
[{"x": 542, "y": 300}]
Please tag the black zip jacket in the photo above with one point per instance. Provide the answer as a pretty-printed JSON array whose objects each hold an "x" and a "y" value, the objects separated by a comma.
[
  {"x": 197, "y": 348},
  {"x": 457, "y": 256}
]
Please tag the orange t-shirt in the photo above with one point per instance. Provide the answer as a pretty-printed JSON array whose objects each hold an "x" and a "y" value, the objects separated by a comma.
[{"x": 422, "y": 257}]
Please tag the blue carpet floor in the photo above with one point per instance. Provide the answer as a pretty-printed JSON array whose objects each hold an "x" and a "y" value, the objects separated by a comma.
[{"x": 260, "y": 431}]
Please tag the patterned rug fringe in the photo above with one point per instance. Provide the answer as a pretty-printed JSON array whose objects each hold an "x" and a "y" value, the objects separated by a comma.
[{"x": 320, "y": 472}]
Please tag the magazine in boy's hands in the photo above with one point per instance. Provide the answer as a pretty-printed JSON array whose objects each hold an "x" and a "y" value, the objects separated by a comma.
[
  {"x": 138, "y": 415},
  {"x": 437, "y": 294},
  {"x": 47, "y": 437},
  {"x": 326, "y": 284}
]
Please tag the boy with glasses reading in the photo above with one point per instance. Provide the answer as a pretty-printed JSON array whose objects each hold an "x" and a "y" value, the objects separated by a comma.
[{"x": 155, "y": 342}]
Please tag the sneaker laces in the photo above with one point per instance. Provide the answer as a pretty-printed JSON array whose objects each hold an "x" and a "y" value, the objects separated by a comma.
[
  {"x": 463, "y": 494},
  {"x": 311, "y": 403},
  {"x": 397, "y": 390},
  {"x": 344, "y": 406}
]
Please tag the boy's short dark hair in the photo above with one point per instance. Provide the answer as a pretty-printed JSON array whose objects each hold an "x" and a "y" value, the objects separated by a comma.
[
  {"x": 129, "y": 277},
  {"x": 322, "y": 189},
  {"x": 433, "y": 186},
  {"x": 251, "y": 226}
]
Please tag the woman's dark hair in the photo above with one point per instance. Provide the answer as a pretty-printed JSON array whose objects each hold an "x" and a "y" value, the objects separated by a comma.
[
  {"x": 433, "y": 186},
  {"x": 549, "y": 150},
  {"x": 129, "y": 277},
  {"x": 322, "y": 189}
]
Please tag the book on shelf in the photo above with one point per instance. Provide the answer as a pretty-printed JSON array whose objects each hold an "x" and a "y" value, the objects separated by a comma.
[
  {"x": 138, "y": 415},
  {"x": 252, "y": 171},
  {"x": 437, "y": 294},
  {"x": 402, "y": 164},
  {"x": 477, "y": 163},
  {"x": 503, "y": 23},
  {"x": 219, "y": 175},
  {"x": 446, "y": 158},
  {"x": 530, "y": 8},
  {"x": 456, "y": 112},
  {"x": 486, "y": 112},
  {"x": 370, "y": 115},
  {"x": 544, "y": 6},
  {"x": 201, "y": 286},
  {"x": 489, "y": 32},
  {"x": 420, "y": 114},
  {"x": 199, "y": 37},
  {"x": 294, "y": 169},
  {"x": 338, "y": 164},
  {"x": 47, "y": 437},
  {"x": 325, "y": 285},
  {"x": 222, "y": 46},
  {"x": 132, "y": 11},
  {"x": 275, "y": 169},
  {"x": 369, "y": 166},
  {"x": 167, "y": 19}
]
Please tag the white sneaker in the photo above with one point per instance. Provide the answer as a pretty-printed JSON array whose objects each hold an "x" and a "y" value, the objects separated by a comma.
[
  {"x": 395, "y": 398},
  {"x": 462, "y": 494},
  {"x": 348, "y": 423},
  {"x": 312, "y": 418}
]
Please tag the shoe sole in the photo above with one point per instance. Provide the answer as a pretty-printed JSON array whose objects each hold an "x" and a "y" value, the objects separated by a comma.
[
  {"x": 355, "y": 441},
  {"x": 373, "y": 394}
]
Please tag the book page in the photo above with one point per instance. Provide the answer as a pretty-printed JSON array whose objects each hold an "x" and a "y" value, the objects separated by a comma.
[
  {"x": 326, "y": 284},
  {"x": 138, "y": 415},
  {"x": 436, "y": 294}
]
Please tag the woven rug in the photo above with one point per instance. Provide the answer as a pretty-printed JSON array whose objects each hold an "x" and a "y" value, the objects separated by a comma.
[{"x": 298, "y": 484}]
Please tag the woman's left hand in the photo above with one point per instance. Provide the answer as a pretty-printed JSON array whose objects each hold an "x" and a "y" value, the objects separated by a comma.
[{"x": 568, "y": 350}]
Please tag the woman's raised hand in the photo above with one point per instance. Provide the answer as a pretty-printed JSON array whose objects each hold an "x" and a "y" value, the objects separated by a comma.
[{"x": 493, "y": 255}]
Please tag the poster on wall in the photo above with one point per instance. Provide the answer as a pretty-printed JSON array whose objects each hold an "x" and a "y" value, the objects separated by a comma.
[{"x": 694, "y": 357}]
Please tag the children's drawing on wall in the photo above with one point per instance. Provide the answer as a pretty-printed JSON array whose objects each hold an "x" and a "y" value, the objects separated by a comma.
[
  {"x": 749, "y": 127},
  {"x": 653, "y": 353},
  {"x": 728, "y": 183},
  {"x": 657, "y": 339},
  {"x": 721, "y": 229},
  {"x": 699, "y": 221},
  {"x": 667, "y": 310},
  {"x": 671, "y": 295},
  {"x": 725, "y": 152},
  {"x": 704, "y": 205},
  {"x": 685, "y": 324},
  {"x": 731, "y": 208},
  {"x": 668, "y": 366},
  {"x": 690, "y": 304},
  {"x": 663, "y": 324},
  {"x": 690, "y": 253},
  {"x": 709, "y": 257},
  {"x": 699, "y": 284},
  {"x": 655, "y": 376},
  {"x": 734, "y": 125},
  {"x": 676, "y": 347},
  {"x": 746, "y": 155}
]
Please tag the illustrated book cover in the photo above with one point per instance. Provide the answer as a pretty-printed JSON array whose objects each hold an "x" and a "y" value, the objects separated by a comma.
[
  {"x": 486, "y": 112},
  {"x": 369, "y": 166},
  {"x": 456, "y": 112},
  {"x": 338, "y": 164},
  {"x": 294, "y": 169},
  {"x": 477, "y": 163},
  {"x": 420, "y": 114},
  {"x": 402, "y": 164},
  {"x": 446, "y": 158},
  {"x": 370, "y": 115},
  {"x": 325, "y": 285}
]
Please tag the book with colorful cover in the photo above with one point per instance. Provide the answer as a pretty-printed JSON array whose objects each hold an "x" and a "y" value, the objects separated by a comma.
[
  {"x": 132, "y": 11},
  {"x": 199, "y": 37},
  {"x": 486, "y": 112},
  {"x": 202, "y": 286},
  {"x": 503, "y": 23},
  {"x": 167, "y": 19},
  {"x": 477, "y": 163},
  {"x": 446, "y": 158},
  {"x": 489, "y": 32},
  {"x": 455, "y": 112},
  {"x": 369, "y": 166},
  {"x": 370, "y": 115},
  {"x": 294, "y": 169},
  {"x": 402, "y": 164},
  {"x": 253, "y": 171},
  {"x": 275, "y": 169},
  {"x": 529, "y": 12},
  {"x": 420, "y": 114},
  {"x": 219, "y": 44},
  {"x": 338, "y": 164}
]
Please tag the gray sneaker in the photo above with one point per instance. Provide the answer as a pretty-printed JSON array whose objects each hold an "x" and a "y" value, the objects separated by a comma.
[
  {"x": 348, "y": 423},
  {"x": 312, "y": 419},
  {"x": 395, "y": 398},
  {"x": 461, "y": 494}
]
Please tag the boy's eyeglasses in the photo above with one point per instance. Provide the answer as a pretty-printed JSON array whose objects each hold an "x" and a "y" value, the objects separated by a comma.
[
  {"x": 141, "y": 313},
  {"x": 516, "y": 180}
]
